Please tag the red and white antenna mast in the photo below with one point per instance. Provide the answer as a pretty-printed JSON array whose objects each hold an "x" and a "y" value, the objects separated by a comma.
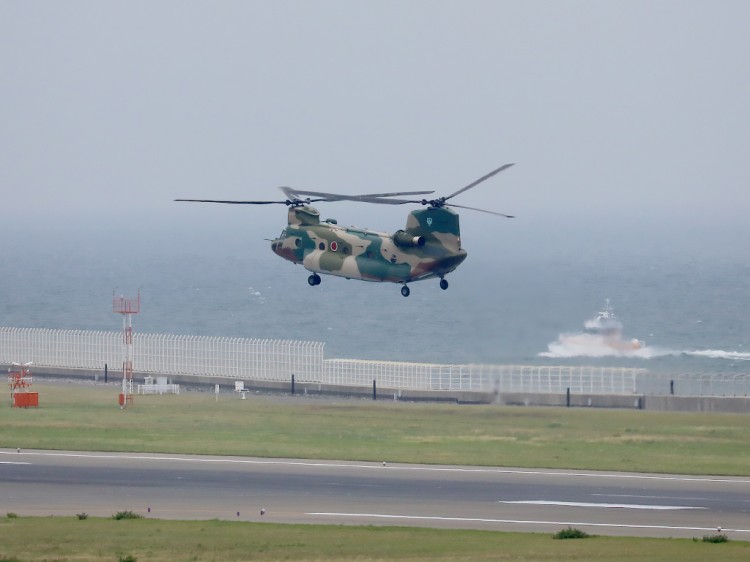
[{"x": 127, "y": 307}]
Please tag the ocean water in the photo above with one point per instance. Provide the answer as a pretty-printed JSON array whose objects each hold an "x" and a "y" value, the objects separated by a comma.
[{"x": 693, "y": 314}]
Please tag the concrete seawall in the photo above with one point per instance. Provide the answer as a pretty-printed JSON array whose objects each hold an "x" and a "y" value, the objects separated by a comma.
[{"x": 718, "y": 404}]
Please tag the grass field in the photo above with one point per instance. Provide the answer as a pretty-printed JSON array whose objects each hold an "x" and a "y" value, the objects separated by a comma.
[
  {"x": 86, "y": 417},
  {"x": 68, "y": 538}
]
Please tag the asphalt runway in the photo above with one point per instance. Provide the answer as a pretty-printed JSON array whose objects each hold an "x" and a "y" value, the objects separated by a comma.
[{"x": 358, "y": 493}]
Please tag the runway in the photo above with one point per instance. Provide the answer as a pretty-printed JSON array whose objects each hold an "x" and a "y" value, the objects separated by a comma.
[{"x": 358, "y": 493}]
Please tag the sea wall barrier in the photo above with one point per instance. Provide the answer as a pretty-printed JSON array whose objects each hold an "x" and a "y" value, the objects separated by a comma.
[
  {"x": 373, "y": 391},
  {"x": 269, "y": 363}
]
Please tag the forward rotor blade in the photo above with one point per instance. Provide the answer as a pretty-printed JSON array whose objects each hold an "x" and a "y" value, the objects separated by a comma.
[
  {"x": 346, "y": 197},
  {"x": 235, "y": 202},
  {"x": 382, "y": 200},
  {"x": 481, "y": 210},
  {"x": 480, "y": 180}
]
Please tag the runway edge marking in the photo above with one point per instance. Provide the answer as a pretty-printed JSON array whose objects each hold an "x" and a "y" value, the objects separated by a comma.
[
  {"x": 377, "y": 466},
  {"x": 518, "y": 521}
]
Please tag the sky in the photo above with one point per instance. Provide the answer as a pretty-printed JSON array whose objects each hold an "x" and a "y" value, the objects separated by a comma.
[{"x": 628, "y": 121}]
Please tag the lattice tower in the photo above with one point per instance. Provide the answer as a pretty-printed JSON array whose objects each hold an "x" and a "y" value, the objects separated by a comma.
[{"x": 126, "y": 308}]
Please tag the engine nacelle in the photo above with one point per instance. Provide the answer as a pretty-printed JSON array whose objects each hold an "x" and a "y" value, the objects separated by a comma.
[{"x": 403, "y": 239}]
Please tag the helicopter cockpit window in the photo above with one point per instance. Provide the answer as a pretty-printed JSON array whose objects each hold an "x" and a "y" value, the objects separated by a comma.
[{"x": 297, "y": 242}]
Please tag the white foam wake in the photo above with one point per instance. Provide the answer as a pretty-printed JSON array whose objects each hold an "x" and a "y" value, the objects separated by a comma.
[
  {"x": 720, "y": 354},
  {"x": 594, "y": 345}
]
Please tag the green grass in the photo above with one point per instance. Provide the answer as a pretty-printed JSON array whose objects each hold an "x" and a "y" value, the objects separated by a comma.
[
  {"x": 83, "y": 417},
  {"x": 67, "y": 538}
]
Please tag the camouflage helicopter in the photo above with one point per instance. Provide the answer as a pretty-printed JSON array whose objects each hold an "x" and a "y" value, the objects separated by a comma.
[{"x": 429, "y": 246}]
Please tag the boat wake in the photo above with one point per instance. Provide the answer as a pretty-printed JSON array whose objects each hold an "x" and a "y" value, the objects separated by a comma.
[
  {"x": 719, "y": 354},
  {"x": 586, "y": 345},
  {"x": 603, "y": 338},
  {"x": 595, "y": 345}
]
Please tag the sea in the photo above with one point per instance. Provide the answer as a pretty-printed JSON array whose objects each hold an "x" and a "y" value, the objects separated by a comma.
[{"x": 693, "y": 313}]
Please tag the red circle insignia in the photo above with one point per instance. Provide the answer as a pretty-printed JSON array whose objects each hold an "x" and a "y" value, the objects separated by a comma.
[{"x": 334, "y": 246}]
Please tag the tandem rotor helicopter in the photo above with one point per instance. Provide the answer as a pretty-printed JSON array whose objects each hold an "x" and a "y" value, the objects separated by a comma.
[{"x": 429, "y": 246}]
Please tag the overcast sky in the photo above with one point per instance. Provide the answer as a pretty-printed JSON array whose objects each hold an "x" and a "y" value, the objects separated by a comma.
[{"x": 626, "y": 119}]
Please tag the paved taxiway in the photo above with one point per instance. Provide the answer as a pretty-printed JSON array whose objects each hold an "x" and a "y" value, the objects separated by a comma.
[{"x": 334, "y": 492}]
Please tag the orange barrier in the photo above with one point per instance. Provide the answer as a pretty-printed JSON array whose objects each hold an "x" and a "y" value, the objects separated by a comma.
[{"x": 26, "y": 399}]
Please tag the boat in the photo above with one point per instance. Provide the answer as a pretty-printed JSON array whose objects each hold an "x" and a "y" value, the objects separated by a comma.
[
  {"x": 609, "y": 329},
  {"x": 601, "y": 337}
]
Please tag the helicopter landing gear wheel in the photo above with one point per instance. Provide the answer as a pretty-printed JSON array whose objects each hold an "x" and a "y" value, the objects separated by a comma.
[
  {"x": 405, "y": 291},
  {"x": 313, "y": 280},
  {"x": 443, "y": 284}
]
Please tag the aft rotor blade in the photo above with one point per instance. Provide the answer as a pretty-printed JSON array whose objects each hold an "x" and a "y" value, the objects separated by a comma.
[
  {"x": 481, "y": 210},
  {"x": 289, "y": 192},
  {"x": 480, "y": 180}
]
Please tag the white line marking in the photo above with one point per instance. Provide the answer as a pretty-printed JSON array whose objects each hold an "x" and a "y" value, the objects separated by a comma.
[
  {"x": 11, "y": 462},
  {"x": 699, "y": 499},
  {"x": 522, "y": 522},
  {"x": 607, "y": 505},
  {"x": 378, "y": 466}
]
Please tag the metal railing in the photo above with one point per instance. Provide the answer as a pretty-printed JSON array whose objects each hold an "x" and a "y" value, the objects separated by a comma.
[
  {"x": 278, "y": 360},
  {"x": 692, "y": 384},
  {"x": 259, "y": 359},
  {"x": 486, "y": 378}
]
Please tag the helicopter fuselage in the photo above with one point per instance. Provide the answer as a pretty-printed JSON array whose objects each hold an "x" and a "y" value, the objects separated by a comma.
[{"x": 429, "y": 246}]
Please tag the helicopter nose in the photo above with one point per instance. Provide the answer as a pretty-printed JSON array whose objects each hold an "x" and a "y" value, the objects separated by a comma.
[{"x": 277, "y": 247}]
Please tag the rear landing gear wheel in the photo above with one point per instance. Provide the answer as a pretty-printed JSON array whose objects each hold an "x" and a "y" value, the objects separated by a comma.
[
  {"x": 314, "y": 279},
  {"x": 443, "y": 284},
  {"x": 405, "y": 291}
]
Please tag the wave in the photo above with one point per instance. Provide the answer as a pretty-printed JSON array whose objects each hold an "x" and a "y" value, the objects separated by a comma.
[
  {"x": 595, "y": 346},
  {"x": 255, "y": 293},
  {"x": 719, "y": 354}
]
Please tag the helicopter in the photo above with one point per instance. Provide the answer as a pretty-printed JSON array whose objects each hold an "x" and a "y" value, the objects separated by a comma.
[{"x": 428, "y": 247}]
